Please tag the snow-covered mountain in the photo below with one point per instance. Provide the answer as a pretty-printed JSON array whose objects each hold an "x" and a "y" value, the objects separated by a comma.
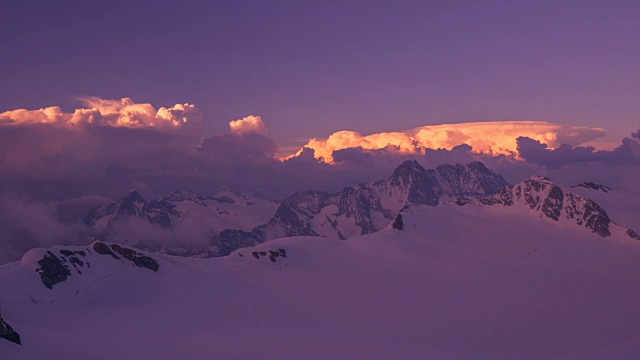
[
  {"x": 225, "y": 209},
  {"x": 481, "y": 281},
  {"x": 189, "y": 215},
  {"x": 539, "y": 196},
  {"x": 622, "y": 206},
  {"x": 367, "y": 208},
  {"x": 239, "y": 220}
]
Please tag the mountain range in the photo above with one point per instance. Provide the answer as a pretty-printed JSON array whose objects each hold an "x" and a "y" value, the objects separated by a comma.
[
  {"x": 227, "y": 220},
  {"x": 530, "y": 272}
]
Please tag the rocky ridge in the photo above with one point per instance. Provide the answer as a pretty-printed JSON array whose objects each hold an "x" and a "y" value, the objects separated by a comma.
[
  {"x": 56, "y": 265},
  {"x": 540, "y": 196}
]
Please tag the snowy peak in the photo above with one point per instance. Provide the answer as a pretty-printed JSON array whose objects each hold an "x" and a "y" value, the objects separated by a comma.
[
  {"x": 406, "y": 173},
  {"x": 57, "y": 265},
  {"x": 60, "y": 272},
  {"x": 541, "y": 196},
  {"x": 132, "y": 205},
  {"x": 472, "y": 179},
  {"x": 412, "y": 184}
]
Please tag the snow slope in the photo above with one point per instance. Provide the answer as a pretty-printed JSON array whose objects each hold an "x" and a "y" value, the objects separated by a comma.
[{"x": 458, "y": 282}]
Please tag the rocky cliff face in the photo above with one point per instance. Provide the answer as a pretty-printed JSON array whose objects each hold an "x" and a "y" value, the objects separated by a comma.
[
  {"x": 593, "y": 186},
  {"x": 541, "y": 196},
  {"x": 7, "y": 332},
  {"x": 56, "y": 265}
]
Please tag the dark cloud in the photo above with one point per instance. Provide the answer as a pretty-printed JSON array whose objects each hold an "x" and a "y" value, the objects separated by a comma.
[
  {"x": 246, "y": 146},
  {"x": 533, "y": 151}
]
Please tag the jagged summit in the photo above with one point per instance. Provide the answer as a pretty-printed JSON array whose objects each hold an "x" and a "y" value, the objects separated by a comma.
[
  {"x": 406, "y": 171},
  {"x": 134, "y": 196},
  {"x": 479, "y": 167}
]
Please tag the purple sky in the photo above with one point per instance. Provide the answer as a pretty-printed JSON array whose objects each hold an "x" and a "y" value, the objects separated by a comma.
[{"x": 312, "y": 68}]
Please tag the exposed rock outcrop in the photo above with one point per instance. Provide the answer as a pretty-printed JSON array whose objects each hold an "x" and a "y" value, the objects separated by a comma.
[
  {"x": 541, "y": 195},
  {"x": 272, "y": 254},
  {"x": 398, "y": 224},
  {"x": 52, "y": 271},
  {"x": 55, "y": 266},
  {"x": 7, "y": 332}
]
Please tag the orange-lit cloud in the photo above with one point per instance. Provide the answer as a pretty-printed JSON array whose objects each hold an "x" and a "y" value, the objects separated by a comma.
[
  {"x": 112, "y": 113},
  {"x": 495, "y": 138},
  {"x": 249, "y": 123}
]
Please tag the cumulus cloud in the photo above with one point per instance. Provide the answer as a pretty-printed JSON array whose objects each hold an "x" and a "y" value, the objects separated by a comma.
[
  {"x": 112, "y": 113},
  {"x": 250, "y": 123},
  {"x": 493, "y": 138},
  {"x": 111, "y": 146}
]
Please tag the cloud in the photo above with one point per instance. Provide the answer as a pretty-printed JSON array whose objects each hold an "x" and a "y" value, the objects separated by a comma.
[
  {"x": 495, "y": 138},
  {"x": 533, "y": 151},
  {"x": 112, "y": 146},
  {"x": 66, "y": 162},
  {"x": 25, "y": 224},
  {"x": 250, "y": 123},
  {"x": 243, "y": 146},
  {"x": 112, "y": 113},
  {"x": 109, "y": 147}
]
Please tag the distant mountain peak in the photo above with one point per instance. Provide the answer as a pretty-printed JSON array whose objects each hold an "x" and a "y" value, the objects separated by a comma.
[
  {"x": 406, "y": 171},
  {"x": 134, "y": 196},
  {"x": 479, "y": 166}
]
